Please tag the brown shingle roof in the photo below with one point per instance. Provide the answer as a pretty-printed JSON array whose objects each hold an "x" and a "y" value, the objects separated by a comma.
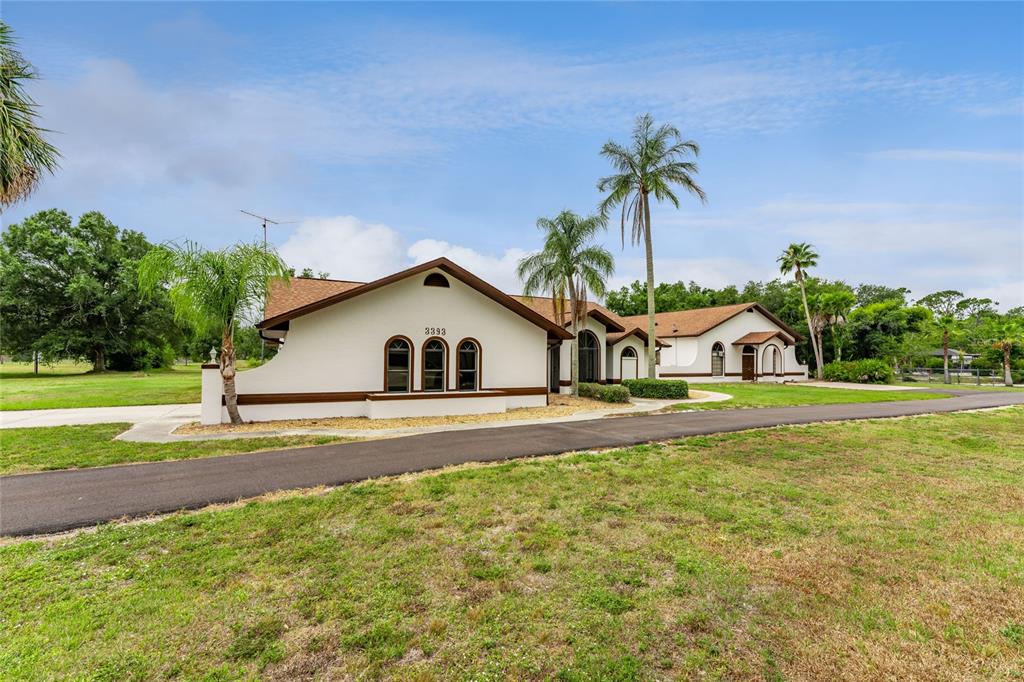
[
  {"x": 308, "y": 298},
  {"x": 543, "y": 305},
  {"x": 287, "y": 296},
  {"x": 759, "y": 337},
  {"x": 696, "y": 322}
]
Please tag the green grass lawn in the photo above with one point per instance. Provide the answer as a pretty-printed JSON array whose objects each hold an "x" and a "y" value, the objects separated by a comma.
[
  {"x": 882, "y": 549},
  {"x": 66, "y": 447},
  {"x": 782, "y": 395},
  {"x": 72, "y": 385}
]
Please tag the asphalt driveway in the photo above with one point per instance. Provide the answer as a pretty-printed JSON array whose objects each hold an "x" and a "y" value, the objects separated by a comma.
[{"x": 62, "y": 500}]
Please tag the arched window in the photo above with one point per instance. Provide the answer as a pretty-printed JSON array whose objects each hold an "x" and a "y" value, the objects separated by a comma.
[
  {"x": 435, "y": 361},
  {"x": 436, "y": 279},
  {"x": 468, "y": 368},
  {"x": 717, "y": 360},
  {"x": 588, "y": 357},
  {"x": 398, "y": 365}
]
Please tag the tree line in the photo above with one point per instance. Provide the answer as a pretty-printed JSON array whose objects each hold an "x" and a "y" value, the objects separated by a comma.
[
  {"x": 863, "y": 321},
  {"x": 71, "y": 290}
]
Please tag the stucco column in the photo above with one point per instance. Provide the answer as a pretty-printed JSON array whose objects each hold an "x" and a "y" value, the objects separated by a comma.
[{"x": 213, "y": 389}]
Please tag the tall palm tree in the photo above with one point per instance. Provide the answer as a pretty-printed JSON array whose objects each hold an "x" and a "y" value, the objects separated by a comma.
[
  {"x": 24, "y": 152},
  {"x": 212, "y": 290},
  {"x": 836, "y": 306},
  {"x": 653, "y": 163},
  {"x": 569, "y": 265},
  {"x": 946, "y": 307},
  {"x": 1005, "y": 332},
  {"x": 797, "y": 258}
]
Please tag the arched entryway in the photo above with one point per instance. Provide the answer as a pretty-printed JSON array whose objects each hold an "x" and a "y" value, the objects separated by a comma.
[
  {"x": 589, "y": 357},
  {"x": 628, "y": 363},
  {"x": 771, "y": 361}
]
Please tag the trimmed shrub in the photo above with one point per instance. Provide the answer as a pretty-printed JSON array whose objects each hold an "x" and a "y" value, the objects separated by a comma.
[
  {"x": 869, "y": 371},
  {"x": 610, "y": 393},
  {"x": 657, "y": 388}
]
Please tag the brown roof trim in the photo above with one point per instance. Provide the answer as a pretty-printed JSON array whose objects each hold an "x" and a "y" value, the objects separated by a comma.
[
  {"x": 444, "y": 264},
  {"x": 785, "y": 327},
  {"x": 610, "y": 324},
  {"x": 760, "y": 308},
  {"x": 757, "y": 338},
  {"x": 635, "y": 331}
]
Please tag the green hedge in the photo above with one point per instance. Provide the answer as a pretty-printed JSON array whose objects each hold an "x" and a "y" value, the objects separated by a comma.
[
  {"x": 657, "y": 388},
  {"x": 609, "y": 393},
  {"x": 868, "y": 371}
]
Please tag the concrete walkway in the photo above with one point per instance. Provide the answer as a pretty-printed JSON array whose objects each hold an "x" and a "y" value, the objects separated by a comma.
[
  {"x": 157, "y": 423},
  {"x": 162, "y": 431},
  {"x": 134, "y": 414},
  {"x": 55, "y": 501}
]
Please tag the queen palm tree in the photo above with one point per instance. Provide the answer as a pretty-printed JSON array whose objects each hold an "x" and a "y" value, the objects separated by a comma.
[
  {"x": 836, "y": 306},
  {"x": 797, "y": 258},
  {"x": 212, "y": 290},
  {"x": 24, "y": 152},
  {"x": 1005, "y": 332},
  {"x": 653, "y": 163},
  {"x": 569, "y": 265}
]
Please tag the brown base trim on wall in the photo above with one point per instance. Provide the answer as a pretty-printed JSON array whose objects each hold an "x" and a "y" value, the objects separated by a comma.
[
  {"x": 290, "y": 398},
  {"x": 685, "y": 374},
  {"x": 564, "y": 382},
  {"x": 531, "y": 390},
  {"x": 432, "y": 395},
  {"x": 356, "y": 396}
]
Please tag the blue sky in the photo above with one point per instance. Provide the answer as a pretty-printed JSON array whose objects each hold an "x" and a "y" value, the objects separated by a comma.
[{"x": 888, "y": 135}]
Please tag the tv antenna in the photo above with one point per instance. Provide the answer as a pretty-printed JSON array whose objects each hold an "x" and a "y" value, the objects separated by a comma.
[{"x": 267, "y": 221}]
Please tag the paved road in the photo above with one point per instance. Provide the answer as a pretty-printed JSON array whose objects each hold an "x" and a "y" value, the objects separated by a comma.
[{"x": 61, "y": 500}]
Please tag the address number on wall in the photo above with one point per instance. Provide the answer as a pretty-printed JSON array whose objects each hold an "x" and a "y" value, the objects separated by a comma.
[{"x": 433, "y": 331}]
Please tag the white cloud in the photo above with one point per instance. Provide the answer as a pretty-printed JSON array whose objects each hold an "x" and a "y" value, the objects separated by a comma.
[
  {"x": 1008, "y": 294},
  {"x": 1011, "y": 107},
  {"x": 350, "y": 248},
  {"x": 951, "y": 155},
  {"x": 708, "y": 272},
  {"x": 346, "y": 247},
  {"x": 496, "y": 270}
]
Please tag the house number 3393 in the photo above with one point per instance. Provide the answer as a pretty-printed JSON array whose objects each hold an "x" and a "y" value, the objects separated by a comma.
[{"x": 433, "y": 331}]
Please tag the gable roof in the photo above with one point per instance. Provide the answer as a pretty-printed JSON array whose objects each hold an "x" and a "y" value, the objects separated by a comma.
[
  {"x": 681, "y": 323},
  {"x": 544, "y": 306},
  {"x": 291, "y": 304},
  {"x": 639, "y": 332},
  {"x": 757, "y": 338},
  {"x": 285, "y": 296}
]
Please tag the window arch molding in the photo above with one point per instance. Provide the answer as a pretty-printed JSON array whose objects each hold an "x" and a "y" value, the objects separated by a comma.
[
  {"x": 718, "y": 359},
  {"x": 410, "y": 354},
  {"x": 478, "y": 369},
  {"x": 428, "y": 366}
]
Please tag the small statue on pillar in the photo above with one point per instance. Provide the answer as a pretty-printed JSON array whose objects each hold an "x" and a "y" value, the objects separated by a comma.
[{"x": 213, "y": 355}]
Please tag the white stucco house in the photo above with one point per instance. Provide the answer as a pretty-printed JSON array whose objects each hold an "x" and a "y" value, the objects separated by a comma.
[
  {"x": 610, "y": 347},
  {"x": 725, "y": 343},
  {"x": 436, "y": 339},
  {"x": 430, "y": 340}
]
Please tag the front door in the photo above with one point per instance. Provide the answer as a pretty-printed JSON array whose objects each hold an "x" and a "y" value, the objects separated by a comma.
[{"x": 748, "y": 363}]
